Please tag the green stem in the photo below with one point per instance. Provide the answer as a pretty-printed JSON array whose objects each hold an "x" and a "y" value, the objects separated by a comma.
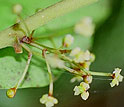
[
  {"x": 25, "y": 25},
  {"x": 99, "y": 73},
  {"x": 50, "y": 76},
  {"x": 41, "y": 46},
  {"x": 26, "y": 67},
  {"x": 62, "y": 56},
  {"x": 41, "y": 18},
  {"x": 84, "y": 72},
  {"x": 81, "y": 73}
]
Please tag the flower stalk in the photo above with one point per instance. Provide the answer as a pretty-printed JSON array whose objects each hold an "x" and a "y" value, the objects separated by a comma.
[
  {"x": 62, "y": 56},
  {"x": 49, "y": 73}
]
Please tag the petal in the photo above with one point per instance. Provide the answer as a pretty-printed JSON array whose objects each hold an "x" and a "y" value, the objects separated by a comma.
[
  {"x": 84, "y": 85},
  {"x": 92, "y": 57},
  {"x": 55, "y": 101},
  {"x": 117, "y": 83},
  {"x": 87, "y": 55},
  {"x": 49, "y": 104},
  {"x": 77, "y": 90},
  {"x": 114, "y": 82},
  {"x": 79, "y": 78},
  {"x": 44, "y": 99},
  {"x": 120, "y": 78},
  {"x": 75, "y": 51},
  {"x": 79, "y": 58},
  {"x": 85, "y": 95},
  {"x": 117, "y": 71}
]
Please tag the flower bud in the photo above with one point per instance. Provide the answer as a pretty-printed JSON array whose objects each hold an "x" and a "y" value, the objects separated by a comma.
[
  {"x": 88, "y": 79},
  {"x": 11, "y": 92},
  {"x": 85, "y": 27},
  {"x": 17, "y": 8},
  {"x": 68, "y": 40}
]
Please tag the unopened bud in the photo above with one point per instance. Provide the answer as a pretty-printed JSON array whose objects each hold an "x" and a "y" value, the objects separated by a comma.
[
  {"x": 11, "y": 92},
  {"x": 68, "y": 40},
  {"x": 17, "y": 9},
  {"x": 88, "y": 79}
]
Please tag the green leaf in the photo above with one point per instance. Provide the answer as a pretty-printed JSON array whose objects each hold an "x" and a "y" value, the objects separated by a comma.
[{"x": 12, "y": 65}]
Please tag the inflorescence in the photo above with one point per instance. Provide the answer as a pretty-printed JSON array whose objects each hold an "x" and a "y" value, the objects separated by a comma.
[{"x": 75, "y": 61}]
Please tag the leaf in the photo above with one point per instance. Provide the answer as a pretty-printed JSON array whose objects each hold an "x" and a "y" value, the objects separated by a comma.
[{"x": 12, "y": 65}]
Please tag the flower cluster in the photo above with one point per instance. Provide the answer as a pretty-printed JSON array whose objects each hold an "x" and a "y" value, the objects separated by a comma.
[
  {"x": 84, "y": 58},
  {"x": 83, "y": 87},
  {"x": 76, "y": 61}
]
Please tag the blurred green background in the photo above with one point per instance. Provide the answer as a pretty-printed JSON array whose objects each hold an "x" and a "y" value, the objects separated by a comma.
[{"x": 107, "y": 45}]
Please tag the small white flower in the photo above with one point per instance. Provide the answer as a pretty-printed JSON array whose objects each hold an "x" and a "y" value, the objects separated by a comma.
[
  {"x": 68, "y": 40},
  {"x": 80, "y": 56},
  {"x": 88, "y": 79},
  {"x": 82, "y": 89},
  {"x": 75, "y": 51},
  {"x": 17, "y": 8},
  {"x": 87, "y": 55},
  {"x": 85, "y": 95},
  {"x": 54, "y": 61},
  {"x": 76, "y": 78},
  {"x": 49, "y": 101},
  {"x": 77, "y": 90},
  {"x": 83, "y": 58},
  {"x": 117, "y": 77},
  {"x": 85, "y": 27}
]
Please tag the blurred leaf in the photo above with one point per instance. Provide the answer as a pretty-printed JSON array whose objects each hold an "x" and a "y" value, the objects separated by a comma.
[
  {"x": 12, "y": 65},
  {"x": 29, "y": 8},
  {"x": 109, "y": 46}
]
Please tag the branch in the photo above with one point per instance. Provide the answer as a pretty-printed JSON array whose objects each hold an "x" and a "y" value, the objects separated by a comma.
[{"x": 41, "y": 18}]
